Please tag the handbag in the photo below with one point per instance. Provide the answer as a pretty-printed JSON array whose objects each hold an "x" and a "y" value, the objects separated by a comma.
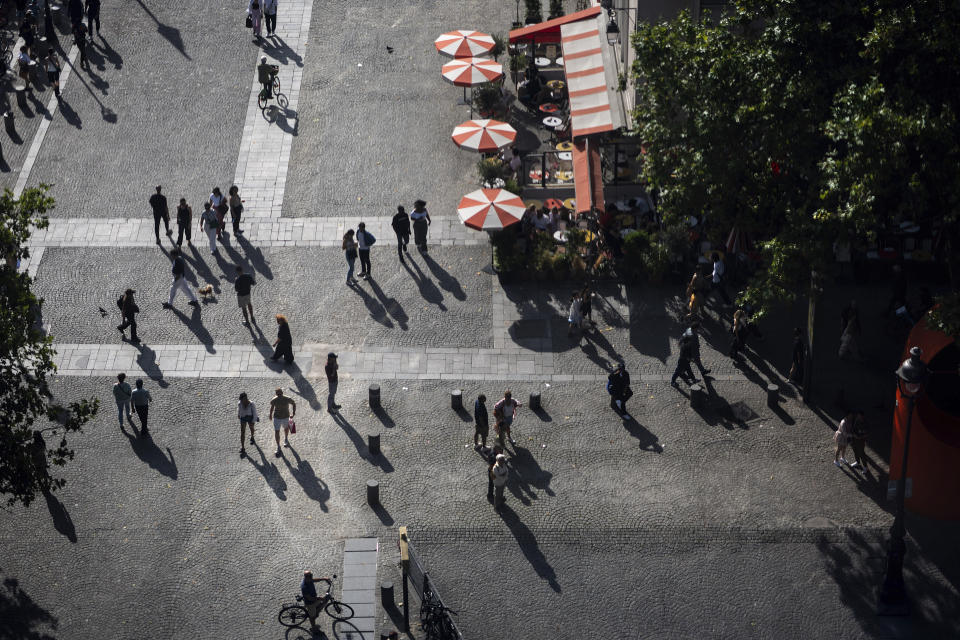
[
  {"x": 293, "y": 425},
  {"x": 249, "y": 22}
]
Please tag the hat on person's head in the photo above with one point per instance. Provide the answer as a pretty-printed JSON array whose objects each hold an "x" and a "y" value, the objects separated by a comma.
[{"x": 331, "y": 355}]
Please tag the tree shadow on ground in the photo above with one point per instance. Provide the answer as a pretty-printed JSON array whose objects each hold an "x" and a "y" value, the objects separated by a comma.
[
  {"x": 148, "y": 451},
  {"x": 314, "y": 488},
  {"x": 62, "y": 521},
  {"x": 428, "y": 291},
  {"x": 269, "y": 471},
  {"x": 446, "y": 281},
  {"x": 527, "y": 542},
  {"x": 21, "y": 618}
]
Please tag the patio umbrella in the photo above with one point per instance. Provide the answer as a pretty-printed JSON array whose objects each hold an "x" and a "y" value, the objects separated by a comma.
[
  {"x": 469, "y": 72},
  {"x": 490, "y": 209},
  {"x": 464, "y": 43},
  {"x": 484, "y": 136}
]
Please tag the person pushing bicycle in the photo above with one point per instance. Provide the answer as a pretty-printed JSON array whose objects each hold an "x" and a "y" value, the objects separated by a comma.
[
  {"x": 265, "y": 75},
  {"x": 311, "y": 600}
]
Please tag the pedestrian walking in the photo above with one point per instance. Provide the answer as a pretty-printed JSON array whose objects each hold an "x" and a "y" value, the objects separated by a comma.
[
  {"x": 23, "y": 67},
  {"x": 28, "y": 32},
  {"x": 574, "y": 317},
  {"x": 247, "y": 414},
  {"x": 180, "y": 283},
  {"x": 282, "y": 408},
  {"x": 141, "y": 400},
  {"x": 242, "y": 286},
  {"x": 122, "y": 394},
  {"x": 80, "y": 41},
  {"x": 93, "y": 15},
  {"x": 683, "y": 369},
  {"x": 420, "y": 220},
  {"x": 693, "y": 334},
  {"x": 284, "y": 342},
  {"x": 850, "y": 332},
  {"x": 841, "y": 438},
  {"x": 219, "y": 205},
  {"x": 211, "y": 226},
  {"x": 618, "y": 386},
  {"x": 350, "y": 253},
  {"x": 481, "y": 423},
  {"x": 499, "y": 473},
  {"x": 858, "y": 441},
  {"x": 270, "y": 16},
  {"x": 491, "y": 460},
  {"x": 717, "y": 278},
  {"x": 331, "y": 370},
  {"x": 401, "y": 227},
  {"x": 158, "y": 203},
  {"x": 53, "y": 71},
  {"x": 797, "y": 357},
  {"x": 128, "y": 315},
  {"x": 696, "y": 293},
  {"x": 365, "y": 240},
  {"x": 75, "y": 11},
  {"x": 184, "y": 222},
  {"x": 256, "y": 16},
  {"x": 586, "y": 306},
  {"x": 738, "y": 328},
  {"x": 236, "y": 209},
  {"x": 508, "y": 408}
]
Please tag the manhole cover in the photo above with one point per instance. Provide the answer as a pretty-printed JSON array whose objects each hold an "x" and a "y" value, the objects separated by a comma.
[{"x": 742, "y": 413}]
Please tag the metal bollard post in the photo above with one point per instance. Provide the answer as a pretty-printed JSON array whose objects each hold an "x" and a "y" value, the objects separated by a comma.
[
  {"x": 534, "y": 400},
  {"x": 386, "y": 595},
  {"x": 773, "y": 395},
  {"x": 456, "y": 399},
  {"x": 374, "y": 398},
  {"x": 698, "y": 398},
  {"x": 373, "y": 443},
  {"x": 373, "y": 492}
]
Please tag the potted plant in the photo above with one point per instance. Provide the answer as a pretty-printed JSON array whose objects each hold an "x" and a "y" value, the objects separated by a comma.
[
  {"x": 635, "y": 245},
  {"x": 489, "y": 170},
  {"x": 556, "y": 8},
  {"x": 485, "y": 99},
  {"x": 518, "y": 62},
  {"x": 656, "y": 262},
  {"x": 507, "y": 259},
  {"x": 561, "y": 265},
  {"x": 499, "y": 46},
  {"x": 534, "y": 11}
]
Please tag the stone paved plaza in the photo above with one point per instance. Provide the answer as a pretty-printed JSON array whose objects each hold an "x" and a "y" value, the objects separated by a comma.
[{"x": 726, "y": 522}]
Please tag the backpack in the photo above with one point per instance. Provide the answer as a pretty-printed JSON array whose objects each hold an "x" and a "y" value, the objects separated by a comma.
[
  {"x": 370, "y": 239},
  {"x": 120, "y": 302}
]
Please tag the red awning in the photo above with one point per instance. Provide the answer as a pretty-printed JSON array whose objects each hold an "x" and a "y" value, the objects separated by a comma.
[
  {"x": 549, "y": 31},
  {"x": 587, "y": 175}
]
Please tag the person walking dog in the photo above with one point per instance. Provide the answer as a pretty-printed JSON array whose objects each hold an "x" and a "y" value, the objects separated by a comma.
[{"x": 180, "y": 283}]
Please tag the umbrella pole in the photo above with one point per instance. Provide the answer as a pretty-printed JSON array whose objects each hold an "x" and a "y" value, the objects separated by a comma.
[
  {"x": 489, "y": 268},
  {"x": 463, "y": 101}
]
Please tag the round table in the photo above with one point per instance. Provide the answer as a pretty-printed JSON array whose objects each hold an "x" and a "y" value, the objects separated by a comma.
[
  {"x": 565, "y": 155},
  {"x": 570, "y": 203},
  {"x": 549, "y": 107},
  {"x": 559, "y": 61},
  {"x": 552, "y": 122},
  {"x": 565, "y": 146},
  {"x": 533, "y": 203},
  {"x": 563, "y": 176},
  {"x": 542, "y": 62},
  {"x": 556, "y": 84},
  {"x": 560, "y": 236}
]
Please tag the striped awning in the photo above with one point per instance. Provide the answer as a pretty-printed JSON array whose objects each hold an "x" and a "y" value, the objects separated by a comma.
[{"x": 587, "y": 63}]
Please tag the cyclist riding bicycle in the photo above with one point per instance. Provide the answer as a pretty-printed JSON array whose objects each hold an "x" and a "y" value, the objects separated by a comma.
[
  {"x": 311, "y": 600},
  {"x": 265, "y": 75}
]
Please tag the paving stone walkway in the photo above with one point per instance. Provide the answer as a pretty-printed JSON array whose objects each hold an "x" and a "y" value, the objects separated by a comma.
[
  {"x": 359, "y": 582},
  {"x": 263, "y": 232},
  {"x": 261, "y": 170}
]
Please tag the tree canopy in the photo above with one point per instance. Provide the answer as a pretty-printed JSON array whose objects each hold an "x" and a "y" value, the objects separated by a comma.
[
  {"x": 802, "y": 124},
  {"x": 33, "y": 424}
]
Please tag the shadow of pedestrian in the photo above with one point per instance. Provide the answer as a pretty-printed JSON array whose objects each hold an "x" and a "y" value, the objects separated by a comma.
[
  {"x": 391, "y": 305},
  {"x": 528, "y": 545},
  {"x": 195, "y": 324},
  {"x": 111, "y": 55},
  {"x": 280, "y": 51},
  {"x": 147, "y": 361},
  {"x": 314, "y": 488},
  {"x": 596, "y": 339},
  {"x": 428, "y": 290},
  {"x": 283, "y": 118},
  {"x": 304, "y": 388},
  {"x": 648, "y": 441},
  {"x": 269, "y": 471},
  {"x": 148, "y": 451},
  {"x": 528, "y": 472},
  {"x": 376, "y": 310},
  {"x": 62, "y": 521},
  {"x": 447, "y": 282},
  {"x": 201, "y": 272},
  {"x": 20, "y": 615},
  {"x": 72, "y": 117},
  {"x": 255, "y": 256},
  {"x": 170, "y": 34}
]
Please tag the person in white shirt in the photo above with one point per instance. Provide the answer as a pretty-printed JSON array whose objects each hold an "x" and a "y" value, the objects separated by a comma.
[
  {"x": 500, "y": 473},
  {"x": 210, "y": 225},
  {"x": 716, "y": 283},
  {"x": 247, "y": 413},
  {"x": 23, "y": 63},
  {"x": 270, "y": 16}
]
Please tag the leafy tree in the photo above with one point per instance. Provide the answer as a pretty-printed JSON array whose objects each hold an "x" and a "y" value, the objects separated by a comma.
[
  {"x": 802, "y": 123},
  {"x": 534, "y": 11},
  {"x": 26, "y": 362},
  {"x": 556, "y": 9}
]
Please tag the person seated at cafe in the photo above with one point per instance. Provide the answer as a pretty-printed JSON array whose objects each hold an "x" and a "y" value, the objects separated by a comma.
[
  {"x": 542, "y": 221},
  {"x": 529, "y": 88},
  {"x": 516, "y": 162},
  {"x": 543, "y": 96},
  {"x": 526, "y": 221},
  {"x": 554, "y": 219}
]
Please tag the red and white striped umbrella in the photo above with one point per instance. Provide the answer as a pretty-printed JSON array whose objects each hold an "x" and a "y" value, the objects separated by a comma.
[
  {"x": 490, "y": 209},
  {"x": 483, "y": 135},
  {"x": 464, "y": 43},
  {"x": 469, "y": 72}
]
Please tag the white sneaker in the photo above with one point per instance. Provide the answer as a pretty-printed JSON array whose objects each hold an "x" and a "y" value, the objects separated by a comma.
[
  {"x": 838, "y": 463},
  {"x": 844, "y": 461},
  {"x": 854, "y": 464}
]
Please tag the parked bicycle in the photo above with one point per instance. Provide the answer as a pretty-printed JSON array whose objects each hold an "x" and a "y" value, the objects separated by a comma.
[
  {"x": 435, "y": 618},
  {"x": 293, "y": 614}
]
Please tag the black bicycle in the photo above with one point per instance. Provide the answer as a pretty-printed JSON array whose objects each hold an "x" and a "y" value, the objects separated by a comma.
[
  {"x": 435, "y": 618},
  {"x": 263, "y": 98},
  {"x": 293, "y": 614}
]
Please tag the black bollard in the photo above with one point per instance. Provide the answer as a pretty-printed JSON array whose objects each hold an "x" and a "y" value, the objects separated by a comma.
[
  {"x": 374, "y": 396},
  {"x": 698, "y": 397},
  {"x": 456, "y": 399},
  {"x": 534, "y": 400},
  {"x": 373, "y": 443},
  {"x": 373, "y": 492},
  {"x": 773, "y": 395},
  {"x": 386, "y": 595}
]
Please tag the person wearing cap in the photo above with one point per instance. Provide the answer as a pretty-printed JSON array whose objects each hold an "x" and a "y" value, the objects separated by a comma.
[
  {"x": 311, "y": 600},
  {"x": 331, "y": 371},
  {"x": 401, "y": 227},
  {"x": 128, "y": 311},
  {"x": 421, "y": 220},
  {"x": 265, "y": 76},
  {"x": 158, "y": 202},
  {"x": 499, "y": 473},
  {"x": 140, "y": 399}
]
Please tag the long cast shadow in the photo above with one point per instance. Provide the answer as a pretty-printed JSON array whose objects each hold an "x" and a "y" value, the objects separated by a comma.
[
  {"x": 391, "y": 305},
  {"x": 148, "y": 451},
  {"x": 376, "y": 310},
  {"x": 279, "y": 50},
  {"x": 428, "y": 290},
  {"x": 255, "y": 256},
  {"x": 269, "y": 471},
  {"x": 147, "y": 361},
  {"x": 314, "y": 488},
  {"x": 170, "y": 34},
  {"x": 378, "y": 460},
  {"x": 447, "y": 282},
  {"x": 528, "y": 545},
  {"x": 195, "y": 324},
  {"x": 62, "y": 521},
  {"x": 647, "y": 439},
  {"x": 20, "y": 615}
]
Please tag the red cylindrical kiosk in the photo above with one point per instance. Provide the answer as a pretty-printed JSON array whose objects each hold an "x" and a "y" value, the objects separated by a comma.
[{"x": 934, "y": 458}]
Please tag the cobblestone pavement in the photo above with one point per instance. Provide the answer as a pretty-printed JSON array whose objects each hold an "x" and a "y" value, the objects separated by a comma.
[{"x": 727, "y": 521}]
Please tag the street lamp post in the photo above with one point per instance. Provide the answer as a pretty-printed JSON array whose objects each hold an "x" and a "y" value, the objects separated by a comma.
[{"x": 892, "y": 597}]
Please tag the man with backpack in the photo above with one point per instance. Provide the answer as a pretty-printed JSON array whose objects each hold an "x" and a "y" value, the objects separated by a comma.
[
  {"x": 365, "y": 240},
  {"x": 179, "y": 280}
]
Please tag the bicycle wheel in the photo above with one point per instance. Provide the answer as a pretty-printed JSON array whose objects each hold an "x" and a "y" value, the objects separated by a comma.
[
  {"x": 262, "y": 101},
  {"x": 282, "y": 101},
  {"x": 292, "y": 615},
  {"x": 338, "y": 610},
  {"x": 276, "y": 85}
]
